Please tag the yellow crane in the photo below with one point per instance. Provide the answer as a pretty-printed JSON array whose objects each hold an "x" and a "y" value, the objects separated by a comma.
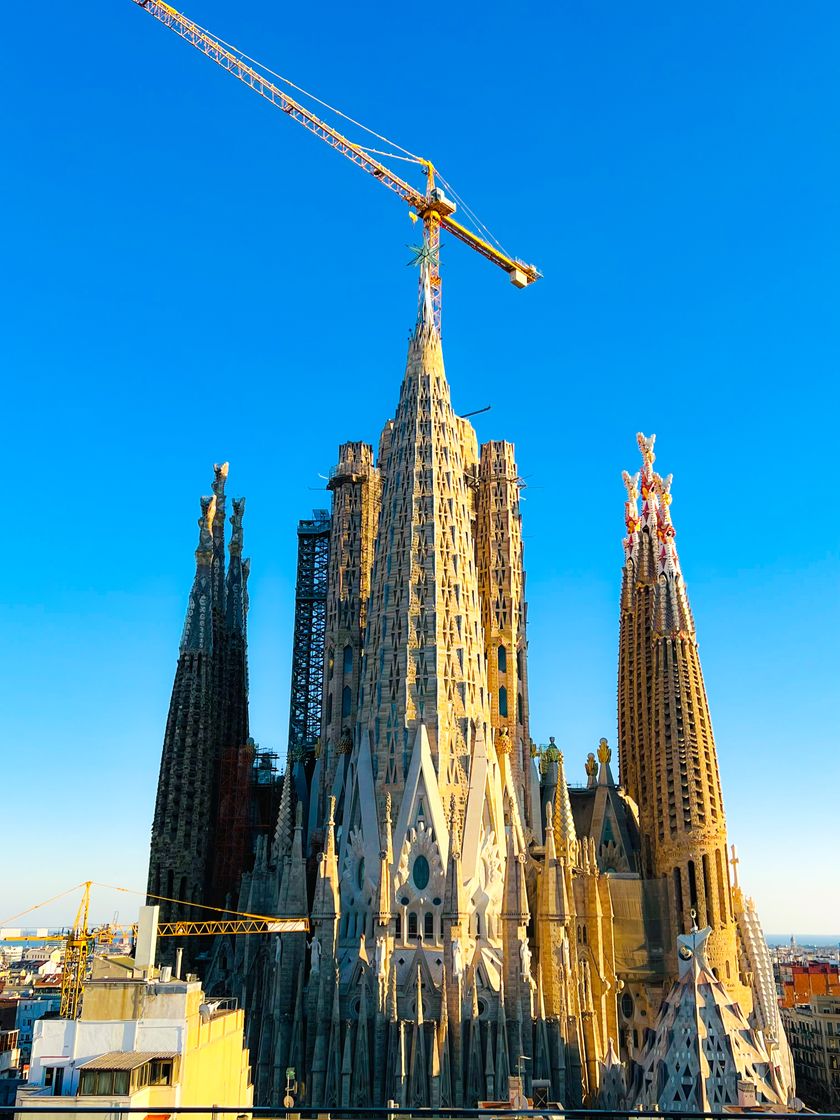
[
  {"x": 431, "y": 205},
  {"x": 79, "y": 940}
]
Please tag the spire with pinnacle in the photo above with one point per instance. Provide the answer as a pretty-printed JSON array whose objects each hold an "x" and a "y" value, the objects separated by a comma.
[
  {"x": 198, "y": 626},
  {"x": 667, "y": 750},
  {"x": 425, "y": 654}
]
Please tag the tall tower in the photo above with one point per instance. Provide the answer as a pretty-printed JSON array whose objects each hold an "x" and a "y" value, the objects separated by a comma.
[
  {"x": 425, "y": 647},
  {"x": 416, "y": 813},
  {"x": 354, "y": 483},
  {"x": 197, "y": 853},
  {"x": 501, "y": 576},
  {"x": 668, "y": 753}
]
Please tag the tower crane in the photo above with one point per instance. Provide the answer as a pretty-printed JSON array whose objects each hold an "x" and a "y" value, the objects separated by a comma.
[
  {"x": 79, "y": 940},
  {"x": 430, "y": 205}
]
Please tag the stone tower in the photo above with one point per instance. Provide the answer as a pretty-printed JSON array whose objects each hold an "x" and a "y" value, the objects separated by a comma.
[
  {"x": 199, "y": 833},
  {"x": 471, "y": 914},
  {"x": 668, "y": 758}
]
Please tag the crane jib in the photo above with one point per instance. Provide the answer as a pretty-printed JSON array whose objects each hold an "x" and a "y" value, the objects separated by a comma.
[{"x": 520, "y": 273}]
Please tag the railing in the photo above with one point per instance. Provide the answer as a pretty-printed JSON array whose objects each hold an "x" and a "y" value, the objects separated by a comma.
[{"x": 62, "y": 1104}]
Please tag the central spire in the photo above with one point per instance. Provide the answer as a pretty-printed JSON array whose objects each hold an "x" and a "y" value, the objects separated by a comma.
[{"x": 424, "y": 656}]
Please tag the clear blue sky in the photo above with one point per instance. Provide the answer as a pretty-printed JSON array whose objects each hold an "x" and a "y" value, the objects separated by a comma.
[{"x": 189, "y": 277}]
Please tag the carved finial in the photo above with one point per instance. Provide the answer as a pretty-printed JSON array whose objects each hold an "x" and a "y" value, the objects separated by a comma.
[
  {"x": 663, "y": 493},
  {"x": 549, "y": 817},
  {"x": 503, "y": 743},
  {"x": 205, "y": 523},
  {"x": 220, "y": 473},
  {"x": 604, "y": 752},
  {"x": 331, "y": 813},
  {"x": 591, "y": 768},
  {"x": 236, "y": 522},
  {"x": 549, "y": 754},
  {"x": 631, "y": 506},
  {"x": 646, "y": 447},
  {"x": 345, "y": 743}
]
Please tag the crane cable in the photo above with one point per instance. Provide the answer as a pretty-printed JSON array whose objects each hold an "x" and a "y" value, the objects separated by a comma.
[
  {"x": 299, "y": 89},
  {"x": 128, "y": 890},
  {"x": 182, "y": 902},
  {"x": 38, "y": 905},
  {"x": 407, "y": 156}
]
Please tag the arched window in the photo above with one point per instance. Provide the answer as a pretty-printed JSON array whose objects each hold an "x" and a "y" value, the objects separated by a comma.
[
  {"x": 348, "y": 661},
  {"x": 429, "y": 927},
  {"x": 398, "y": 930},
  {"x": 502, "y": 656},
  {"x": 330, "y": 664},
  {"x": 329, "y": 707},
  {"x": 520, "y": 713},
  {"x": 412, "y": 925},
  {"x": 503, "y": 708},
  {"x": 346, "y": 700},
  {"x": 519, "y": 664}
]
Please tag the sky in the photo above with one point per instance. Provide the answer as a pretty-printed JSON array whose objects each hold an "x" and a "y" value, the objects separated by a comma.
[{"x": 189, "y": 277}]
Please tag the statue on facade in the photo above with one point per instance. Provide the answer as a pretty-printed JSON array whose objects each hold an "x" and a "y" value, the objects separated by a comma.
[{"x": 315, "y": 956}]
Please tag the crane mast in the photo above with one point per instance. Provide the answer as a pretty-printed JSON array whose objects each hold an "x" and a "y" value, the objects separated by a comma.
[{"x": 431, "y": 206}]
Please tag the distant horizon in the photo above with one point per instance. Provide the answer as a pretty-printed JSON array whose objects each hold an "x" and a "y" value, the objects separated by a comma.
[{"x": 673, "y": 173}]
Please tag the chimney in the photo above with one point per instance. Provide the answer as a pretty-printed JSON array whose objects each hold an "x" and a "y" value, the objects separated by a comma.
[{"x": 144, "y": 949}]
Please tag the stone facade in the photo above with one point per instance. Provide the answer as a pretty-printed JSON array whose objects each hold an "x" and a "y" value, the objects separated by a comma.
[{"x": 473, "y": 917}]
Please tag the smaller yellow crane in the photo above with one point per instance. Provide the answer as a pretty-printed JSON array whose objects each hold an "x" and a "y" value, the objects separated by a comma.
[{"x": 79, "y": 940}]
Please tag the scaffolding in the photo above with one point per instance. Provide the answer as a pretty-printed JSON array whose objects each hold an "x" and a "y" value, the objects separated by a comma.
[
  {"x": 266, "y": 784},
  {"x": 308, "y": 649}
]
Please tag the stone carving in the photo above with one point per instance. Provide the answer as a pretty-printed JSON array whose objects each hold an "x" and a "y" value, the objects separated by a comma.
[
  {"x": 315, "y": 956},
  {"x": 380, "y": 958},
  {"x": 457, "y": 960},
  {"x": 604, "y": 752}
]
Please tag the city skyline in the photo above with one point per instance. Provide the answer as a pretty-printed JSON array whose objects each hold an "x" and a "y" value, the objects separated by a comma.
[{"x": 130, "y": 394}]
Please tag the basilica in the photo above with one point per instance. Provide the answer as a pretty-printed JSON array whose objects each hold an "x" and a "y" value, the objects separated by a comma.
[{"x": 477, "y": 927}]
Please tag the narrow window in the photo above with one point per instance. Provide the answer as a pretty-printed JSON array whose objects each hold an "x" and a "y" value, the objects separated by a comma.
[
  {"x": 346, "y": 701},
  {"x": 412, "y": 925},
  {"x": 678, "y": 898},
  {"x": 692, "y": 884},
  {"x": 429, "y": 927},
  {"x": 502, "y": 656},
  {"x": 348, "y": 661},
  {"x": 721, "y": 886},
  {"x": 503, "y": 708},
  {"x": 707, "y": 887},
  {"x": 520, "y": 715}
]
